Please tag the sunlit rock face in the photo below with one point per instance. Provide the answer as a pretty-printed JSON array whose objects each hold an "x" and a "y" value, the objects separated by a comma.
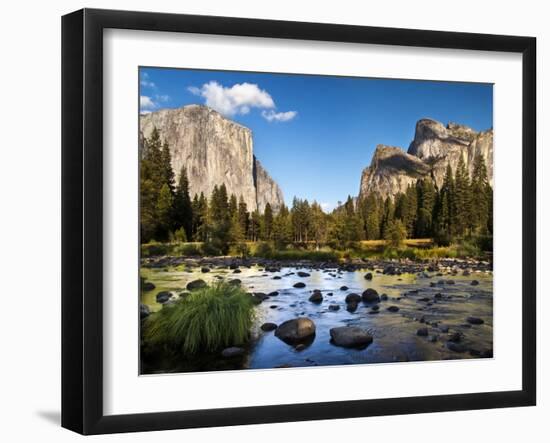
[
  {"x": 214, "y": 150},
  {"x": 434, "y": 146}
]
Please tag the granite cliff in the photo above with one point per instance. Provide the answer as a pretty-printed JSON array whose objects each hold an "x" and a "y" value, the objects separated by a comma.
[
  {"x": 434, "y": 146},
  {"x": 214, "y": 150}
]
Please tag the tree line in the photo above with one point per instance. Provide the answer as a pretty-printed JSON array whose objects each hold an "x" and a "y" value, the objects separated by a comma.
[{"x": 462, "y": 207}]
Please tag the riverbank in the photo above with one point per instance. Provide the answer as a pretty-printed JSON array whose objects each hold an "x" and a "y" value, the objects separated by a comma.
[{"x": 384, "y": 266}]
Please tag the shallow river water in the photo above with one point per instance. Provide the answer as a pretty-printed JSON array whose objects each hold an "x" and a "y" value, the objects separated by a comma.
[{"x": 395, "y": 333}]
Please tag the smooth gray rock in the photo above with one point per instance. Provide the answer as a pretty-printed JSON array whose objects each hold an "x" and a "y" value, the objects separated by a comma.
[
  {"x": 353, "y": 298},
  {"x": 297, "y": 330},
  {"x": 196, "y": 284},
  {"x": 268, "y": 327},
  {"x": 144, "y": 311},
  {"x": 350, "y": 337},
  {"x": 316, "y": 297},
  {"x": 475, "y": 320},
  {"x": 370, "y": 296},
  {"x": 163, "y": 296}
]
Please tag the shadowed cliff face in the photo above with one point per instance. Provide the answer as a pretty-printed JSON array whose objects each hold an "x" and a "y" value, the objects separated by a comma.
[
  {"x": 434, "y": 146},
  {"x": 214, "y": 151}
]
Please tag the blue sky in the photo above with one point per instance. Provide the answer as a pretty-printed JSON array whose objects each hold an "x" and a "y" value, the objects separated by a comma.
[{"x": 315, "y": 134}]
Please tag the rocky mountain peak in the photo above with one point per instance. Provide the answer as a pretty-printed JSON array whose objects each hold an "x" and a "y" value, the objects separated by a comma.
[
  {"x": 214, "y": 150},
  {"x": 433, "y": 147}
]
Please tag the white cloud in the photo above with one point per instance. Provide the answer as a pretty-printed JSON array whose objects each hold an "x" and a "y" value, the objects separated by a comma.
[
  {"x": 146, "y": 102},
  {"x": 327, "y": 207},
  {"x": 145, "y": 82},
  {"x": 237, "y": 99},
  {"x": 271, "y": 116},
  {"x": 194, "y": 90}
]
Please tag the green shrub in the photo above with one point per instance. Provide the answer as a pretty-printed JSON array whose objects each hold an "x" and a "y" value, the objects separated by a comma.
[
  {"x": 468, "y": 249},
  {"x": 187, "y": 250},
  {"x": 484, "y": 242},
  {"x": 263, "y": 249},
  {"x": 240, "y": 249},
  {"x": 212, "y": 248},
  {"x": 178, "y": 236},
  {"x": 154, "y": 248},
  {"x": 204, "y": 321}
]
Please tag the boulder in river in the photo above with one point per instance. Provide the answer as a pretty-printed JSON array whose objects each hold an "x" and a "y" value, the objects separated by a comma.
[
  {"x": 258, "y": 297},
  {"x": 205, "y": 269},
  {"x": 334, "y": 308},
  {"x": 273, "y": 294},
  {"x": 316, "y": 297},
  {"x": 350, "y": 337},
  {"x": 370, "y": 296},
  {"x": 163, "y": 296},
  {"x": 368, "y": 276},
  {"x": 144, "y": 311},
  {"x": 474, "y": 283},
  {"x": 353, "y": 298},
  {"x": 300, "y": 285},
  {"x": 475, "y": 320},
  {"x": 196, "y": 284},
  {"x": 351, "y": 307},
  {"x": 422, "y": 332},
  {"x": 297, "y": 330},
  {"x": 343, "y": 288},
  {"x": 303, "y": 274},
  {"x": 266, "y": 327},
  {"x": 393, "y": 308},
  {"x": 147, "y": 286}
]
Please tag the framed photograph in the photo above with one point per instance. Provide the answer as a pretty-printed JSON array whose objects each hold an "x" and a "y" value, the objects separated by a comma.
[{"x": 269, "y": 221}]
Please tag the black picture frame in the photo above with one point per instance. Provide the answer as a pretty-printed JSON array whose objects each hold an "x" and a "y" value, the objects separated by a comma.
[{"x": 82, "y": 219}]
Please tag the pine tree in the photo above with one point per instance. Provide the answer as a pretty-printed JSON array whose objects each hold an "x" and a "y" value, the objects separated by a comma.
[
  {"x": 372, "y": 217},
  {"x": 254, "y": 226},
  {"x": 447, "y": 207},
  {"x": 412, "y": 208},
  {"x": 388, "y": 215},
  {"x": 282, "y": 228},
  {"x": 481, "y": 192},
  {"x": 462, "y": 199},
  {"x": 318, "y": 225},
  {"x": 267, "y": 225},
  {"x": 164, "y": 212},
  {"x": 167, "y": 173},
  {"x": 426, "y": 193},
  {"x": 395, "y": 233},
  {"x": 243, "y": 215},
  {"x": 183, "y": 209},
  {"x": 152, "y": 179},
  {"x": 219, "y": 221},
  {"x": 200, "y": 218},
  {"x": 233, "y": 206}
]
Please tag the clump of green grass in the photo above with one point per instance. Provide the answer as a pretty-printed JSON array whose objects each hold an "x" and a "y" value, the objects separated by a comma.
[{"x": 204, "y": 321}]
